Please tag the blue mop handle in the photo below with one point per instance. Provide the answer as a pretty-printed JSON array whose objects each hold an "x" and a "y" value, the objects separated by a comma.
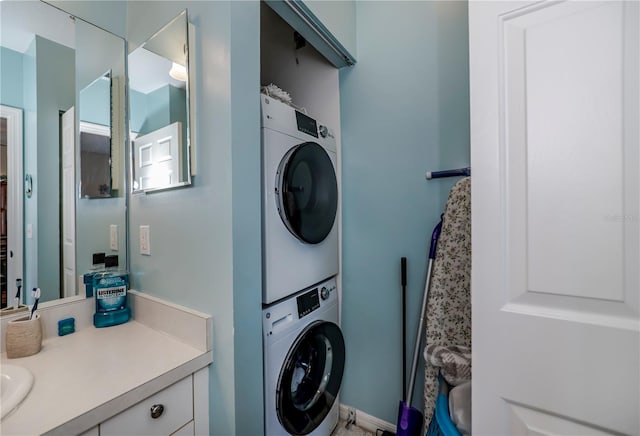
[
  {"x": 423, "y": 310},
  {"x": 434, "y": 239}
]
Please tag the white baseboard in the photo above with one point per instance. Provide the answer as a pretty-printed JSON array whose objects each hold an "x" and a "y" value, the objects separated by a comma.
[{"x": 366, "y": 421}]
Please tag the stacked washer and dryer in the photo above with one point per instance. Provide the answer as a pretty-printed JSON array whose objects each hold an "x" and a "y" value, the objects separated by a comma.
[{"x": 304, "y": 350}]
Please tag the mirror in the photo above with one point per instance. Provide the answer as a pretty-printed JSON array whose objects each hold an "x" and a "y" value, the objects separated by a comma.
[
  {"x": 95, "y": 138},
  {"x": 66, "y": 78},
  {"x": 159, "y": 100}
]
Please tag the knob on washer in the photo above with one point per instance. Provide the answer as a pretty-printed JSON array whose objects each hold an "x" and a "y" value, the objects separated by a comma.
[{"x": 323, "y": 131}]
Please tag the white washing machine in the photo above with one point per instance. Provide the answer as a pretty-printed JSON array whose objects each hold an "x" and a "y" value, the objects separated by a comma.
[
  {"x": 300, "y": 201},
  {"x": 304, "y": 358}
]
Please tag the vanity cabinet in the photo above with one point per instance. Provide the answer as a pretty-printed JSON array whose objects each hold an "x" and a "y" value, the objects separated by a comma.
[{"x": 167, "y": 412}]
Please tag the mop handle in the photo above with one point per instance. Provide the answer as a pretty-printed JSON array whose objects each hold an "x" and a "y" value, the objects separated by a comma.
[{"x": 416, "y": 350}]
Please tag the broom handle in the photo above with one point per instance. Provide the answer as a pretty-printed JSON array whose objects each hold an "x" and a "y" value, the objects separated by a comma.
[{"x": 416, "y": 350}]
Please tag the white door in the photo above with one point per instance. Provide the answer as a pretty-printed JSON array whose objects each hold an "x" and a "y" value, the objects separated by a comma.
[
  {"x": 157, "y": 156},
  {"x": 12, "y": 119},
  {"x": 555, "y": 116},
  {"x": 68, "y": 203}
]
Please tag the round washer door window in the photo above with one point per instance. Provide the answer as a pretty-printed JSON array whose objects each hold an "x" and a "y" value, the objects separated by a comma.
[
  {"x": 307, "y": 192},
  {"x": 310, "y": 378}
]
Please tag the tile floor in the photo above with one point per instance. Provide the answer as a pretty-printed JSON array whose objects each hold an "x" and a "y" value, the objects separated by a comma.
[{"x": 353, "y": 430}]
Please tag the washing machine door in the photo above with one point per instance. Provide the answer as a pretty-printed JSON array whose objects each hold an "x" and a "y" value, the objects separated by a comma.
[
  {"x": 307, "y": 192},
  {"x": 310, "y": 378}
]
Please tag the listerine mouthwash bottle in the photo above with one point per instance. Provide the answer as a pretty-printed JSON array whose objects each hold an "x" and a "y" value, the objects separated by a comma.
[{"x": 110, "y": 288}]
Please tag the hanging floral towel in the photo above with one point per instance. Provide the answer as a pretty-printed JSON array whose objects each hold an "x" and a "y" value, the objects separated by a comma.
[
  {"x": 449, "y": 306},
  {"x": 454, "y": 362}
]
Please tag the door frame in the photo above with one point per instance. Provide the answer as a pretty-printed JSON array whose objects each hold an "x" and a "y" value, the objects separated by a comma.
[{"x": 15, "y": 201}]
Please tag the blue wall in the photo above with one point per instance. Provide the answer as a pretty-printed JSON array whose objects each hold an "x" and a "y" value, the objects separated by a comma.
[
  {"x": 157, "y": 109},
  {"x": 54, "y": 96},
  {"x": 42, "y": 100},
  {"x": 11, "y": 78},
  {"x": 205, "y": 239},
  {"x": 405, "y": 110},
  {"x": 137, "y": 110},
  {"x": 95, "y": 103},
  {"x": 107, "y": 14}
]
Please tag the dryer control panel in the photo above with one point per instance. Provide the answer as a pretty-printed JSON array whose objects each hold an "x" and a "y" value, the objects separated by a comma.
[
  {"x": 308, "y": 302},
  {"x": 306, "y": 124}
]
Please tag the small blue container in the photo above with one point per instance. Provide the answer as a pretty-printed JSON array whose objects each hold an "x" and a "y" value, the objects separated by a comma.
[{"x": 66, "y": 326}]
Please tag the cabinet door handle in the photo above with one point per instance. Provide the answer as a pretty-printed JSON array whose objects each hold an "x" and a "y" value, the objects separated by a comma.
[{"x": 156, "y": 411}]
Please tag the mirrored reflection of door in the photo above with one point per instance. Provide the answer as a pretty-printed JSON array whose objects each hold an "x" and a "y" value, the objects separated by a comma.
[
  {"x": 95, "y": 161},
  {"x": 157, "y": 158},
  {"x": 11, "y": 244},
  {"x": 68, "y": 205}
]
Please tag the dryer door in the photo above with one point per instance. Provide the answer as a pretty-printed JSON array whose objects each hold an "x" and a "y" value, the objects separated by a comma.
[
  {"x": 310, "y": 378},
  {"x": 307, "y": 192}
]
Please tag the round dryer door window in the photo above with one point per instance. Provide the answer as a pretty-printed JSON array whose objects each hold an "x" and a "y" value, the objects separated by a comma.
[
  {"x": 310, "y": 378},
  {"x": 307, "y": 192}
]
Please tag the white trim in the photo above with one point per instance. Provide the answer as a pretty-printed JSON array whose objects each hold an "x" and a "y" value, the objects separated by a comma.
[
  {"x": 14, "y": 198},
  {"x": 365, "y": 421},
  {"x": 96, "y": 129}
]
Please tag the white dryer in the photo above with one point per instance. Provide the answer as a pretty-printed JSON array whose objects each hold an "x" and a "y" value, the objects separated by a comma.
[
  {"x": 299, "y": 203},
  {"x": 304, "y": 357}
]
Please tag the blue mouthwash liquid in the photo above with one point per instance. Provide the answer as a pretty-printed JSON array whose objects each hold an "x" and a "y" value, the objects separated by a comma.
[{"x": 110, "y": 289}]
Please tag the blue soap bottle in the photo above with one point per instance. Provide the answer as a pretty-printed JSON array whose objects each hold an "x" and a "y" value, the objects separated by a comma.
[
  {"x": 97, "y": 266},
  {"x": 110, "y": 288}
]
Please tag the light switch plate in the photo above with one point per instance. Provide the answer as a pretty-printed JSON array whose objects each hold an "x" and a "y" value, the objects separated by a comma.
[
  {"x": 113, "y": 236},
  {"x": 145, "y": 242}
]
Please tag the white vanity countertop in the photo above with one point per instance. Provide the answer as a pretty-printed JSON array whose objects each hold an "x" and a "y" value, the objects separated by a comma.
[{"x": 86, "y": 377}]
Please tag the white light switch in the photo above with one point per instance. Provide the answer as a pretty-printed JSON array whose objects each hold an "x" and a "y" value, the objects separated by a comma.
[
  {"x": 29, "y": 231},
  {"x": 145, "y": 242},
  {"x": 113, "y": 236}
]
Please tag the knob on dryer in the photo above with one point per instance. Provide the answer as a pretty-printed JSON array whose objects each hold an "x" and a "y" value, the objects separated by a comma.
[
  {"x": 324, "y": 293},
  {"x": 323, "y": 131}
]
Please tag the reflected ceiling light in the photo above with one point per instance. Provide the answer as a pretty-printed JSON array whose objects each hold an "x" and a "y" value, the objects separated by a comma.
[{"x": 178, "y": 72}]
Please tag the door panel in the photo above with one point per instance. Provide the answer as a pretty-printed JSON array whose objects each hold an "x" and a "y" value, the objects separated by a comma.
[
  {"x": 157, "y": 158},
  {"x": 14, "y": 198},
  {"x": 554, "y": 145}
]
